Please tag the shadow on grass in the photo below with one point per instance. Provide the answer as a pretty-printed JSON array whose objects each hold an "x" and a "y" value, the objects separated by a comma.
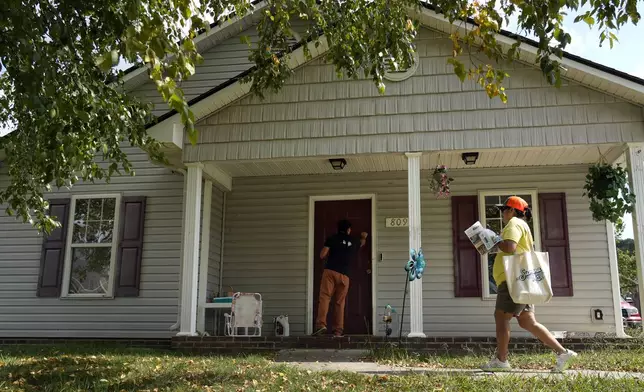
[{"x": 108, "y": 368}]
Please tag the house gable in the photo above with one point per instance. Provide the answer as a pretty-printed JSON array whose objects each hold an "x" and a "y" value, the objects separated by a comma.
[
  {"x": 318, "y": 114},
  {"x": 224, "y": 61}
]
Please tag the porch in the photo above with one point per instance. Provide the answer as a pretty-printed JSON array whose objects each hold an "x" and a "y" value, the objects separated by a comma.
[{"x": 265, "y": 237}]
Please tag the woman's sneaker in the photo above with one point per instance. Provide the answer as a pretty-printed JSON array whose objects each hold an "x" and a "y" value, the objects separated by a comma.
[
  {"x": 496, "y": 365},
  {"x": 563, "y": 360}
]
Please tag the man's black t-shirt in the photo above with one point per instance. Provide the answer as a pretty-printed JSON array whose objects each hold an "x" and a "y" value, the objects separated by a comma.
[{"x": 342, "y": 247}]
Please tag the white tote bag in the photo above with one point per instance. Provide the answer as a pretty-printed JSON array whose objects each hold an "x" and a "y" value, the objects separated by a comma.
[{"x": 528, "y": 277}]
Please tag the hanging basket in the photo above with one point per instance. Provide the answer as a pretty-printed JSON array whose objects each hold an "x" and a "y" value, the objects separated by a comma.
[
  {"x": 609, "y": 194},
  {"x": 439, "y": 182}
]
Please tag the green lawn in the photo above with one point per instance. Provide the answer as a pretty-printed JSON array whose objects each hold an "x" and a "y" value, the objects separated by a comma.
[
  {"x": 605, "y": 359},
  {"x": 103, "y": 369}
]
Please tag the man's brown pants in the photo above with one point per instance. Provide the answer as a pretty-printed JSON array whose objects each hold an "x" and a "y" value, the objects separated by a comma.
[{"x": 334, "y": 285}]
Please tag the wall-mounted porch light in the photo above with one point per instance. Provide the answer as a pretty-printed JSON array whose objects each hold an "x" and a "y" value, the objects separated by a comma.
[
  {"x": 470, "y": 158},
  {"x": 338, "y": 164}
]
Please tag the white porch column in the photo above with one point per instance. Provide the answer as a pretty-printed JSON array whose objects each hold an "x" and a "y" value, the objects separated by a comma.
[
  {"x": 635, "y": 159},
  {"x": 415, "y": 237},
  {"x": 190, "y": 259},
  {"x": 204, "y": 256}
]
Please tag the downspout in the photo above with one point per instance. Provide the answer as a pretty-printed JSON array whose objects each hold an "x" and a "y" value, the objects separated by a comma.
[
  {"x": 177, "y": 325},
  {"x": 221, "y": 248}
]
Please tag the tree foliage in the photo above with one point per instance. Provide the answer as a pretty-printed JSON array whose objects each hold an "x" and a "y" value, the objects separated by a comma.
[
  {"x": 63, "y": 95},
  {"x": 627, "y": 271},
  {"x": 626, "y": 245}
]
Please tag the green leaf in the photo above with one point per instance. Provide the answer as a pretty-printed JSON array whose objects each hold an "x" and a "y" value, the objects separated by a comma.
[
  {"x": 104, "y": 62},
  {"x": 190, "y": 68},
  {"x": 83, "y": 115}
]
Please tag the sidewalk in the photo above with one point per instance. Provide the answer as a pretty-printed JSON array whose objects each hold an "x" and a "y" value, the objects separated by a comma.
[{"x": 350, "y": 361}]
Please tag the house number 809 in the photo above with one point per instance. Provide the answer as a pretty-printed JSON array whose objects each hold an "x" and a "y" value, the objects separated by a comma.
[{"x": 397, "y": 222}]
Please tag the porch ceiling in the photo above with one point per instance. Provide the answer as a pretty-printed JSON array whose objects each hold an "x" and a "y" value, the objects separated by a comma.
[{"x": 525, "y": 157}]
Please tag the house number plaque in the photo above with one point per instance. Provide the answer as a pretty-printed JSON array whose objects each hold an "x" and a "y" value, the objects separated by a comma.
[{"x": 397, "y": 222}]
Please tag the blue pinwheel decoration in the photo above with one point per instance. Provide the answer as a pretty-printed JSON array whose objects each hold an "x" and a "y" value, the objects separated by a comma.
[
  {"x": 416, "y": 265},
  {"x": 414, "y": 268}
]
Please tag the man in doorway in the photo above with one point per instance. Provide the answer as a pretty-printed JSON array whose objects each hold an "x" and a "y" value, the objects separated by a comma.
[{"x": 339, "y": 249}]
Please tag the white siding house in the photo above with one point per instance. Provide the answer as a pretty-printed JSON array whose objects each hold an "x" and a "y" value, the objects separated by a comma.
[{"x": 245, "y": 205}]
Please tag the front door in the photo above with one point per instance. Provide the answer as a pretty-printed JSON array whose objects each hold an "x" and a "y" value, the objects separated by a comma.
[{"x": 358, "y": 309}]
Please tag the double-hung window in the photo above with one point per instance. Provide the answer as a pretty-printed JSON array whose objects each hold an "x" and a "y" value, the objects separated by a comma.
[
  {"x": 90, "y": 257},
  {"x": 490, "y": 217}
]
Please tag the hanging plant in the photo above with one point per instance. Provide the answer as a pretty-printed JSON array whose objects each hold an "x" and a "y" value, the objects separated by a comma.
[
  {"x": 439, "y": 182},
  {"x": 609, "y": 194}
]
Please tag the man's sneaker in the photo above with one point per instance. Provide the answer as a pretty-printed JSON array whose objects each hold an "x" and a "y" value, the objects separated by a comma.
[
  {"x": 563, "y": 360},
  {"x": 338, "y": 335},
  {"x": 496, "y": 365},
  {"x": 319, "y": 331}
]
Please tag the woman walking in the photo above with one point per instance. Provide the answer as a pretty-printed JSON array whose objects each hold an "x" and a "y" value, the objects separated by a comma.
[{"x": 517, "y": 239}]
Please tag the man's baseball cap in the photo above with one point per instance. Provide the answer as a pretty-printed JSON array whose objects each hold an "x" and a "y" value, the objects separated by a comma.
[{"x": 514, "y": 202}]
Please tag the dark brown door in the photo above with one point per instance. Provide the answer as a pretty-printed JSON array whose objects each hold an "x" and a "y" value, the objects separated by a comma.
[{"x": 358, "y": 310}]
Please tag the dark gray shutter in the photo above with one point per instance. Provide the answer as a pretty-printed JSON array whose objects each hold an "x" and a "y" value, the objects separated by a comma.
[
  {"x": 52, "y": 258},
  {"x": 554, "y": 240},
  {"x": 467, "y": 262},
  {"x": 130, "y": 250}
]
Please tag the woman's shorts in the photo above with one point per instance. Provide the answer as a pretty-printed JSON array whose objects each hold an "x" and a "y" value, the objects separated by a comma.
[{"x": 505, "y": 303}]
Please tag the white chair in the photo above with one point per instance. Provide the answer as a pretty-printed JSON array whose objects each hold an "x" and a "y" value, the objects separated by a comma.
[{"x": 245, "y": 314}]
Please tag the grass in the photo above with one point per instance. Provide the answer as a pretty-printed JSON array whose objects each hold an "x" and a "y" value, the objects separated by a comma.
[
  {"x": 635, "y": 332},
  {"x": 607, "y": 359},
  {"x": 70, "y": 368}
]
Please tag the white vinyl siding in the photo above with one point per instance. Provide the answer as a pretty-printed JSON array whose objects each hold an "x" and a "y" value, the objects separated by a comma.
[
  {"x": 319, "y": 114},
  {"x": 266, "y": 246},
  {"x": 148, "y": 316}
]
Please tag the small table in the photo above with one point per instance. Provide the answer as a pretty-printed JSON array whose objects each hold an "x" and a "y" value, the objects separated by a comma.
[{"x": 218, "y": 303}]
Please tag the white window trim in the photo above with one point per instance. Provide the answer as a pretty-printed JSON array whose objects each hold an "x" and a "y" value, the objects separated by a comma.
[
  {"x": 535, "y": 223},
  {"x": 68, "y": 247}
]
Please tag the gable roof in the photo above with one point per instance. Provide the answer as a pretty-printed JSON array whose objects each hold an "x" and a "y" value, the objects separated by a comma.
[
  {"x": 136, "y": 75},
  {"x": 575, "y": 68}
]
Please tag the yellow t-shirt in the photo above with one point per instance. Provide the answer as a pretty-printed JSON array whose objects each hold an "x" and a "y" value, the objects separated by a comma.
[{"x": 516, "y": 230}]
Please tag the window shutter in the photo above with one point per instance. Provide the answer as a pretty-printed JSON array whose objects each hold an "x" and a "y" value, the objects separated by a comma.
[
  {"x": 554, "y": 240},
  {"x": 467, "y": 262},
  {"x": 52, "y": 258},
  {"x": 130, "y": 250}
]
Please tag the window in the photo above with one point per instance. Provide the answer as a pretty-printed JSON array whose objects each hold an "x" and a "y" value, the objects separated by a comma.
[
  {"x": 91, "y": 246},
  {"x": 491, "y": 218},
  {"x": 403, "y": 74}
]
